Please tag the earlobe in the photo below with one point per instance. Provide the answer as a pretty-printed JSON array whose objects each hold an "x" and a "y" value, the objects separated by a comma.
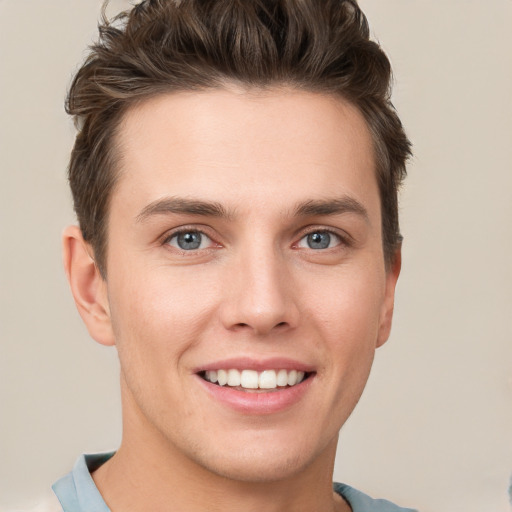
[
  {"x": 88, "y": 287},
  {"x": 386, "y": 317}
]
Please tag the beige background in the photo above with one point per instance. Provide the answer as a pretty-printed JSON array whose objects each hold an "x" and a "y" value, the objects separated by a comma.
[{"x": 434, "y": 428}]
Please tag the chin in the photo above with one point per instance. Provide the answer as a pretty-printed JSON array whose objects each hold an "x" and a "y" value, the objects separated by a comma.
[
  {"x": 256, "y": 468},
  {"x": 262, "y": 460}
]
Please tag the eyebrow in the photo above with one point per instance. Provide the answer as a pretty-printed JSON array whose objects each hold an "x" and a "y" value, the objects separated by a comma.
[
  {"x": 311, "y": 208},
  {"x": 336, "y": 206},
  {"x": 182, "y": 206}
]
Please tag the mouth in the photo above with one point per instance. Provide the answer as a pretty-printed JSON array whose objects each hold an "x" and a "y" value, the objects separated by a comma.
[
  {"x": 256, "y": 387},
  {"x": 255, "y": 381}
]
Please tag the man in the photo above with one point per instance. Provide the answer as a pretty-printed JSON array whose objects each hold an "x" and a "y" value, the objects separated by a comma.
[{"x": 235, "y": 179}]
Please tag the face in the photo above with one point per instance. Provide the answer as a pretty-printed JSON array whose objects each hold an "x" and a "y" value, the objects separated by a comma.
[{"x": 246, "y": 282}]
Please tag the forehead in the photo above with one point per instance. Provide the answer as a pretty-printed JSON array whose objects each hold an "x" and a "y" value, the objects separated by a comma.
[{"x": 238, "y": 146}]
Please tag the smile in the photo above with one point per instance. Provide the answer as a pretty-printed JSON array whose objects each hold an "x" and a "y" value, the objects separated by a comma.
[{"x": 252, "y": 379}]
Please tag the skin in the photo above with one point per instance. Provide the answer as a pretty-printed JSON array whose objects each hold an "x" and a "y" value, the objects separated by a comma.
[{"x": 254, "y": 289}]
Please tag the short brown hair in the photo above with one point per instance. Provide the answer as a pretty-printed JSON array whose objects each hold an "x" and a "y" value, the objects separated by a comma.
[{"x": 161, "y": 46}]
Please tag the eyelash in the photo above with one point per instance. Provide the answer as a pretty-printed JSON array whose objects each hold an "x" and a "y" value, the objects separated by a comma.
[
  {"x": 344, "y": 239},
  {"x": 183, "y": 230}
]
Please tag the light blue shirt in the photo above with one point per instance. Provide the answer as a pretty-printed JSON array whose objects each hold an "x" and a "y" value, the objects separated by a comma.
[{"x": 77, "y": 492}]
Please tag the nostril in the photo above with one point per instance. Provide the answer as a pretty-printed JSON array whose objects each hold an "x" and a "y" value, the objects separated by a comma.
[{"x": 243, "y": 325}]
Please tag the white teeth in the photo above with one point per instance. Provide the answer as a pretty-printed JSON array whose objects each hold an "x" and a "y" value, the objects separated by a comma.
[
  {"x": 233, "y": 378},
  {"x": 267, "y": 380},
  {"x": 292, "y": 378},
  {"x": 282, "y": 378},
  {"x": 251, "y": 379},
  {"x": 222, "y": 377}
]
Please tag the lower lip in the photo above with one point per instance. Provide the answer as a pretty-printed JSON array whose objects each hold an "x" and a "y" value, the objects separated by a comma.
[{"x": 258, "y": 403}]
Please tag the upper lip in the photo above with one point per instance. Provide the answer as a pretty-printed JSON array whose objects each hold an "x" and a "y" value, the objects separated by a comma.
[{"x": 251, "y": 363}]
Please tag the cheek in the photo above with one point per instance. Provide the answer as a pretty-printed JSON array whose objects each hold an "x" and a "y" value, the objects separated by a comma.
[
  {"x": 347, "y": 314},
  {"x": 348, "y": 304},
  {"x": 157, "y": 321},
  {"x": 156, "y": 317}
]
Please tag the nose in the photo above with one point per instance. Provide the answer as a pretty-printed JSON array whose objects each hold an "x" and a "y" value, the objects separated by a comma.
[{"x": 259, "y": 294}]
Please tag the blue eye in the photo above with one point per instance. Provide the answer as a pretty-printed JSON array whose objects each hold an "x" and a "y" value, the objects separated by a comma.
[
  {"x": 319, "y": 240},
  {"x": 189, "y": 240}
]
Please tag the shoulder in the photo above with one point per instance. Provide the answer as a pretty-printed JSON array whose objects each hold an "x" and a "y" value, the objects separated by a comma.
[{"x": 361, "y": 502}]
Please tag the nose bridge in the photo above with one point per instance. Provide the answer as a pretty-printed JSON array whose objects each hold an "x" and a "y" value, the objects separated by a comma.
[{"x": 260, "y": 297}]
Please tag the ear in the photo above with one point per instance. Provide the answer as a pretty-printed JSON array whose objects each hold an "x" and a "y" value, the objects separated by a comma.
[
  {"x": 386, "y": 316},
  {"x": 88, "y": 287}
]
